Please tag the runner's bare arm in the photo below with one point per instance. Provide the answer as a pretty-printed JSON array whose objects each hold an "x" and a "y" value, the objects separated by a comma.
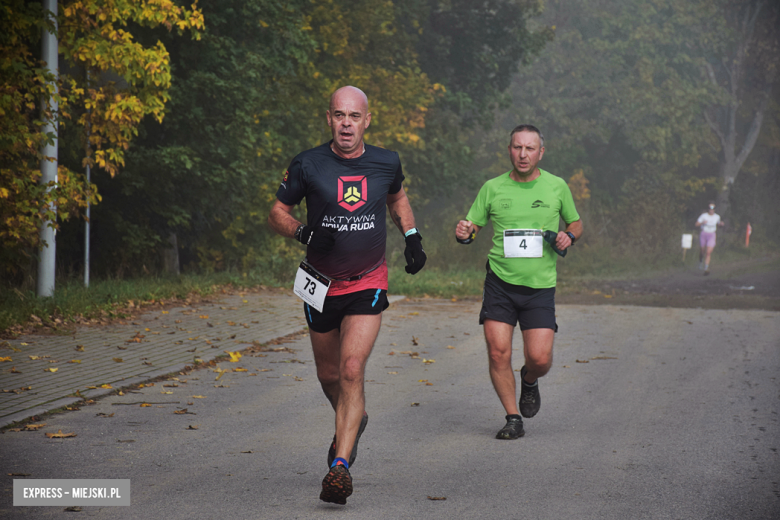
[
  {"x": 400, "y": 210},
  {"x": 281, "y": 220},
  {"x": 464, "y": 229},
  {"x": 563, "y": 241}
]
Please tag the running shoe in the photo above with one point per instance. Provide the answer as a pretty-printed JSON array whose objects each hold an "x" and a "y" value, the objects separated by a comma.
[
  {"x": 353, "y": 455},
  {"x": 337, "y": 485},
  {"x": 530, "y": 400},
  {"x": 513, "y": 429}
]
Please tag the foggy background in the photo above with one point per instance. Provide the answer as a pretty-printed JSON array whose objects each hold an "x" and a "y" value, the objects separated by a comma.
[{"x": 650, "y": 109}]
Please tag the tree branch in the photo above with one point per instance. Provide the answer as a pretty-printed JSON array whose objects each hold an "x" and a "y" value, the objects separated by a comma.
[{"x": 715, "y": 129}]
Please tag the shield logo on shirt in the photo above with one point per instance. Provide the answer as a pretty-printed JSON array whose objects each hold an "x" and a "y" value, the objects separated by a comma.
[{"x": 353, "y": 192}]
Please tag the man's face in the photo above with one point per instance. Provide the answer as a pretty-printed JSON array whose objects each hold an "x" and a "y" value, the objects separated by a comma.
[
  {"x": 711, "y": 210},
  {"x": 348, "y": 119},
  {"x": 525, "y": 152}
]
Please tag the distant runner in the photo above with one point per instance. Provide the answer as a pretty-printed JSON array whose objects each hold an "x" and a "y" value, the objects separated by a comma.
[
  {"x": 709, "y": 223},
  {"x": 347, "y": 184},
  {"x": 521, "y": 275}
]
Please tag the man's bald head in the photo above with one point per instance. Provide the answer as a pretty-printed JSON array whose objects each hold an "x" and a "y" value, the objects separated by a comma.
[{"x": 354, "y": 94}]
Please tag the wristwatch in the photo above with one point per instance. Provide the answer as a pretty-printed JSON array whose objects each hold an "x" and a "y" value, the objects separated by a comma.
[{"x": 571, "y": 235}]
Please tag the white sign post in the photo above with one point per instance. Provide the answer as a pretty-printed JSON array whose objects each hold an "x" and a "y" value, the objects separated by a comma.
[{"x": 687, "y": 243}]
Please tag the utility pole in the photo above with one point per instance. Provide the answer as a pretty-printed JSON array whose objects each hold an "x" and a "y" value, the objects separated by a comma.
[
  {"x": 89, "y": 207},
  {"x": 46, "y": 263}
]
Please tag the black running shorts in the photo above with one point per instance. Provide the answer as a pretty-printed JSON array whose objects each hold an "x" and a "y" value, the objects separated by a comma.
[
  {"x": 369, "y": 301},
  {"x": 531, "y": 308}
]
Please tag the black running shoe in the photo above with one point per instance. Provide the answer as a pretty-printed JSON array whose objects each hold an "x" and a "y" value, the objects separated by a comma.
[
  {"x": 337, "y": 485},
  {"x": 353, "y": 455},
  {"x": 513, "y": 429},
  {"x": 530, "y": 400}
]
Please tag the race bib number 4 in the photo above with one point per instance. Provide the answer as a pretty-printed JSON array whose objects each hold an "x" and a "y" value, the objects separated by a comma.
[
  {"x": 523, "y": 243},
  {"x": 311, "y": 286}
]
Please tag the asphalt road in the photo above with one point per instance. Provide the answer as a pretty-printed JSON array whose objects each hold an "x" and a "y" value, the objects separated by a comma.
[{"x": 648, "y": 413}]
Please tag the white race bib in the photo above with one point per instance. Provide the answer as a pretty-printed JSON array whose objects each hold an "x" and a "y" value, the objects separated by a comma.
[
  {"x": 523, "y": 243},
  {"x": 311, "y": 286}
]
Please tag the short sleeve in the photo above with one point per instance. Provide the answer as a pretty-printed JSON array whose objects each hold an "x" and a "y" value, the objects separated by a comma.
[
  {"x": 568, "y": 209},
  {"x": 480, "y": 210},
  {"x": 398, "y": 180},
  {"x": 292, "y": 190}
]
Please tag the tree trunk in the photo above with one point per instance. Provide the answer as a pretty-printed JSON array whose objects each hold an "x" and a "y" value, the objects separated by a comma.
[{"x": 171, "y": 256}]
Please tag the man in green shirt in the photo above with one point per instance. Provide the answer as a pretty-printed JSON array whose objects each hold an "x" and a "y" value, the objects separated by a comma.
[{"x": 521, "y": 276}]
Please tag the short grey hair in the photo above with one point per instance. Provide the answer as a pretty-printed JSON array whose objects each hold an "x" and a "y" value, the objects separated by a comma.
[{"x": 527, "y": 128}]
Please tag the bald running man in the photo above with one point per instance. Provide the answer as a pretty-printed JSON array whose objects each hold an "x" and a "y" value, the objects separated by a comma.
[{"x": 348, "y": 186}]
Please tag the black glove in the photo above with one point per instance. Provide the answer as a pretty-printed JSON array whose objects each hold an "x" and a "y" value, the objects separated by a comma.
[
  {"x": 415, "y": 256},
  {"x": 321, "y": 239}
]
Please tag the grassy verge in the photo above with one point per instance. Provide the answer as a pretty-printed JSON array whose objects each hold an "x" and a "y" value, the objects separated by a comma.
[{"x": 105, "y": 298}]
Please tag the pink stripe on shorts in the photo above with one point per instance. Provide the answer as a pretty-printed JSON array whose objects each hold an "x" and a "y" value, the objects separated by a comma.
[{"x": 706, "y": 239}]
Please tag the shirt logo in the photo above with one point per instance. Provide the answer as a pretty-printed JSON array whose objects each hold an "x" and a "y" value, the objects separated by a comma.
[
  {"x": 505, "y": 203},
  {"x": 284, "y": 181},
  {"x": 353, "y": 192},
  {"x": 539, "y": 204}
]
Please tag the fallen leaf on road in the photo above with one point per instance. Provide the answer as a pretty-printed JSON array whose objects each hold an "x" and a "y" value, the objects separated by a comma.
[
  {"x": 415, "y": 404},
  {"x": 392, "y": 372},
  {"x": 146, "y": 363},
  {"x": 436, "y": 498},
  {"x": 198, "y": 396},
  {"x": 60, "y": 435},
  {"x": 422, "y": 380},
  {"x": 122, "y": 348},
  {"x": 191, "y": 427},
  {"x": 17, "y": 390},
  {"x": 193, "y": 350},
  {"x": 34, "y": 358},
  {"x": 32, "y": 427},
  {"x": 450, "y": 347},
  {"x": 414, "y": 314},
  {"x": 266, "y": 369},
  {"x": 240, "y": 370},
  {"x": 166, "y": 392},
  {"x": 50, "y": 369},
  {"x": 79, "y": 348},
  {"x": 428, "y": 361},
  {"x": 73, "y": 509},
  {"x": 204, "y": 317},
  {"x": 74, "y": 361},
  {"x": 24, "y": 344},
  {"x": 145, "y": 405},
  {"x": 234, "y": 356},
  {"x": 101, "y": 414},
  {"x": 183, "y": 411},
  {"x": 19, "y": 474},
  {"x": 582, "y": 361},
  {"x": 5, "y": 359},
  {"x": 428, "y": 384},
  {"x": 248, "y": 451},
  {"x": 165, "y": 312},
  {"x": 14, "y": 371},
  {"x": 106, "y": 386},
  {"x": 118, "y": 360},
  {"x": 466, "y": 334},
  {"x": 603, "y": 357},
  {"x": 414, "y": 341},
  {"x": 172, "y": 385}
]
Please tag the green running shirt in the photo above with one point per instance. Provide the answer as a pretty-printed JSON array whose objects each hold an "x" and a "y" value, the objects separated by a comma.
[{"x": 524, "y": 205}]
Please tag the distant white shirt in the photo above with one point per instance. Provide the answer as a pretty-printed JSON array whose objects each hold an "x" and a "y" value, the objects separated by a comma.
[{"x": 709, "y": 223}]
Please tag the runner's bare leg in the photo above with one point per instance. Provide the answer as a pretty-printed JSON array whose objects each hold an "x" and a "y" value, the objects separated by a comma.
[
  {"x": 341, "y": 369},
  {"x": 538, "y": 350},
  {"x": 498, "y": 336},
  {"x": 327, "y": 358}
]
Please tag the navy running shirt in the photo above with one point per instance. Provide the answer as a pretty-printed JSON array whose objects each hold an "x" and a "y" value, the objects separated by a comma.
[{"x": 349, "y": 196}]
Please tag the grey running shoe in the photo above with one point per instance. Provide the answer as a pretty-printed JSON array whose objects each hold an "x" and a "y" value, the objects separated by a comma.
[
  {"x": 513, "y": 429},
  {"x": 353, "y": 455},
  {"x": 530, "y": 400},
  {"x": 337, "y": 485}
]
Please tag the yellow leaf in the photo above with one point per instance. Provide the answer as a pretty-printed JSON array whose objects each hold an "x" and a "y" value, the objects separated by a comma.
[
  {"x": 74, "y": 361},
  {"x": 118, "y": 360},
  {"x": 240, "y": 370},
  {"x": 5, "y": 359},
  {"x": 145, "y": 405},
  {"x": 234, "y": 356},
  {"x": 198, "y": 396},
  {"x": 60, "y": 435},
  {"x": 106, "y": 386},
  {"x": 50, "y": 369}
]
